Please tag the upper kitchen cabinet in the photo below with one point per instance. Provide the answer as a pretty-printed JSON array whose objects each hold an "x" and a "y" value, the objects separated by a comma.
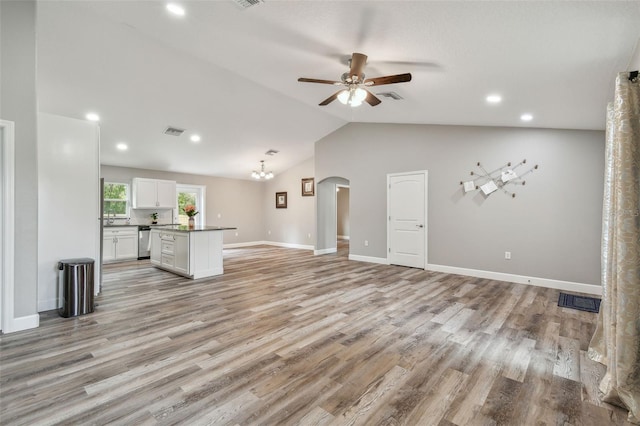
[{"x": 154, "y": 194}]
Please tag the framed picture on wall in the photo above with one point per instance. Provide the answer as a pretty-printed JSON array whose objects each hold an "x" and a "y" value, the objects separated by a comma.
[
  {"x": 308, "y": 189},
  {"x": 281, "y": 200}
]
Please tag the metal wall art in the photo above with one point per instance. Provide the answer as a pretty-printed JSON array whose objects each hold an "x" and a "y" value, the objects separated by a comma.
[{"x": 498, "y": 179}]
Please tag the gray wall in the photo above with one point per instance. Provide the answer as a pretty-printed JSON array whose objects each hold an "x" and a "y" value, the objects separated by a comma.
[
  {"x": 18, "y": 104},
  {"x": 239, "y": 202},
  {"x": 343, "y": 211},
  {"x": 552, "y": 227},
  {"x": 297, "y": 223}
]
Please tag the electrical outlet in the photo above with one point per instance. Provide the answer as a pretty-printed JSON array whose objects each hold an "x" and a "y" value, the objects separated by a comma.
[
  {"x": 219, "y": 215},
  {"x": 507, "y": 255},
  {"x": 366, "y": 243},
  {"x": 236, "y": 234},
  {"x": 269, "y": 232},
  {"x": 308, "y": 235}
]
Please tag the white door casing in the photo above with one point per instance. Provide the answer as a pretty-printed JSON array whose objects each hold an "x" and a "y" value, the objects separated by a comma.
[
  {"x": 7, "y": 225},
  {"x": 407, "y": 219}
]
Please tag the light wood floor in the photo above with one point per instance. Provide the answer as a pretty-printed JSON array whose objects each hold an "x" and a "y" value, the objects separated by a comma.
[{"x": 285, "y": 337}]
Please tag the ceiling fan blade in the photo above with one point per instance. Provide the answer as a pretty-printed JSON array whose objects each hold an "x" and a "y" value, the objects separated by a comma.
[
  {"x": 372, "y": 99},
  {"x": 330, "y": 99},
  {"x": 358, "y": 61},
  {"x": 389, "y": 79},
  {"x": 315, "y": 80}
]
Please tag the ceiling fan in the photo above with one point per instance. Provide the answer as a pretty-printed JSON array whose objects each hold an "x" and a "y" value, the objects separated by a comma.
[{"x": 356, "y": 83}]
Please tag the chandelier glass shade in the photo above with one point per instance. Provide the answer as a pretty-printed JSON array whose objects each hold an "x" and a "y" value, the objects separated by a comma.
[
  {"x": 261, "y": 174},
  {"x": 353, "y": 96}
]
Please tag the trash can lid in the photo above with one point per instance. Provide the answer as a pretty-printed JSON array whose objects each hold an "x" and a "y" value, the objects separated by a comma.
[{"x": 78, "y": 261}]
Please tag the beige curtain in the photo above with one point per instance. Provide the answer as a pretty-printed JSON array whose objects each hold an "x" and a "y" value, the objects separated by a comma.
[{"x": 616, "y": 342}]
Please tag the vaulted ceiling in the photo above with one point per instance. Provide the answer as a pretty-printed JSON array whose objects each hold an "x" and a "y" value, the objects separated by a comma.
[{"x": 230, "y": 74}]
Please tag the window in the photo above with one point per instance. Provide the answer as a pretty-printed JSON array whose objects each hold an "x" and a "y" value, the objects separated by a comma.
[
  {"x": 116, "y": 199},
  {"x": 191, "y": 194}
]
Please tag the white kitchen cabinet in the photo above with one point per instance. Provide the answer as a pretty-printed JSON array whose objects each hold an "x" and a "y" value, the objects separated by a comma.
[
  {"x": 181, "y": 253},
  {"x": 171, "y": 250},
  {"x": 120, "y": 243},
  {"x": 154, "y": 194},
  {"x": 155, "y": 256},
  {"x": 192, "y": 253}
]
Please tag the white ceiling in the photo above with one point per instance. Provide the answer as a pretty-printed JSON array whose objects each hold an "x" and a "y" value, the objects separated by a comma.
[{"x": 230, "y": 74}]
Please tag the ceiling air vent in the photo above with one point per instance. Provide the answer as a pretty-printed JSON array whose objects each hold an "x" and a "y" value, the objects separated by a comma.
[
  {"x": 392, "y": 95},
  {"x": 173, "y": 131},
  {"x": 271, "y": 152},
  {"x": 247, "y": 3}
]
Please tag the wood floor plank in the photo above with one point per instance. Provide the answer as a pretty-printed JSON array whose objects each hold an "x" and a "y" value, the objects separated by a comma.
[{"x": 288, "y": 338}]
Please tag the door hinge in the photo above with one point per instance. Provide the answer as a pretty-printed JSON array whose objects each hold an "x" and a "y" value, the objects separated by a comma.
[
  {"x": 389, "y": 217},
  {"x": 389, "y": 249}
]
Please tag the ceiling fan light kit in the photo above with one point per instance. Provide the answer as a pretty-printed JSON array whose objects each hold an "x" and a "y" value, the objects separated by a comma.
[
  {"x": 355, "y": 80},
  {"x": 352, "y": 96},
  {"x": 262, "y": 174}
]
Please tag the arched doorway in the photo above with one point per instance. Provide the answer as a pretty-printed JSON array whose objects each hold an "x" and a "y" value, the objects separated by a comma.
[{"x": 326, "y": 214}]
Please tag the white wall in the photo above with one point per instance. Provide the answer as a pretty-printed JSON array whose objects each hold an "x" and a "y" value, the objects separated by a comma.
[
  {"x": 634, "y": 62},
  {"x": 238, "y": 202},
  {"x": 552, "y": 227},
  {"x": 295, "y": 225},
  {"x": 68, "y": 200},
  {"x": 18, "y": 104}
]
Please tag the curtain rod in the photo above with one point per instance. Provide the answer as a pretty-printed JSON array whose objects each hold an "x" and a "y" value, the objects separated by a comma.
[{"x": 633, "y": 75}]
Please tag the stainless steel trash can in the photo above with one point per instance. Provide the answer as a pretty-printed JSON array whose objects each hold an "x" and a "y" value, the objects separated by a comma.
[{"x": 76, "y": 287}]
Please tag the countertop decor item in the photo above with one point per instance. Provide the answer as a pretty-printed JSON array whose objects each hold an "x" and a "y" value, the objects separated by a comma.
[
  {"x": 190, "y": 210},
  {"x": 154, "y": 218}
]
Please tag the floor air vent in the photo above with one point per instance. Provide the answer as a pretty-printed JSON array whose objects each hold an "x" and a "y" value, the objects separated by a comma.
[{"x": 173, "y": 131}]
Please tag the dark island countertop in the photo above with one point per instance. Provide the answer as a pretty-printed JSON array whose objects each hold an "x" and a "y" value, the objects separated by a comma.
[{"x": 185, "y": 228}]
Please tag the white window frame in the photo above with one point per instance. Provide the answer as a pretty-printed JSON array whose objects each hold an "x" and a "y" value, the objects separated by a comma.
[
  {"x": 128, "y": 199},
  {"x": 201, "y": 191}
]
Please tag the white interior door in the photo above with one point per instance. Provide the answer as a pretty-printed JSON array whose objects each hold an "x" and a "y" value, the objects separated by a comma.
[{"x": 407, "y": 219}]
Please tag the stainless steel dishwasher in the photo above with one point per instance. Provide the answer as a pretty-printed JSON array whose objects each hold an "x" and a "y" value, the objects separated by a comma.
[{"x": 144, "y": 251}]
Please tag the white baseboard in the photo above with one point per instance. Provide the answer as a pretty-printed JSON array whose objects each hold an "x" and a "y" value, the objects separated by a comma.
[
  {"x": 208, "y": 273},
  {"x": 21, "y": 323},
  {"x": 247, "y": 244},
  {"x": 370, "y": 259},
  {"x": 325, "y": 251},
  {"x": 269, "y": 243},
  {"x": 519, "y": 279},
  {"x": 343, "y": 237},
  {"x": 47, "y": 305},
  {"x": 290, "y": 245}
]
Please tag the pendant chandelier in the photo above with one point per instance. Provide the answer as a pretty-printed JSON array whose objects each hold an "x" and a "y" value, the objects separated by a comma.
[{"x": 261, "y": 174}]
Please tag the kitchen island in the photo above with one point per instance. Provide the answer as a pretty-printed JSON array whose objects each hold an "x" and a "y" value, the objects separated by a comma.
[{"x": 192, "y": 252}]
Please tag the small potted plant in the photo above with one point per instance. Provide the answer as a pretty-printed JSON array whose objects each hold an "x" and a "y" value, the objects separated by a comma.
[
  {"x": 190, "y": 210},
  {"x": 154, "y": 218}
]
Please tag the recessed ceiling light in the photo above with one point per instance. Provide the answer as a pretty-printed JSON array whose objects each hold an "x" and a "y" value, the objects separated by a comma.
[
  {"x": 195, "y": 138},
  {"x": 494, "y": 99},
  {"x": 92, "y": 116},
  {"x": 175, "y": 9},
  {"x": 122, "y": 146},
  {"x": 526, "y": 117}
]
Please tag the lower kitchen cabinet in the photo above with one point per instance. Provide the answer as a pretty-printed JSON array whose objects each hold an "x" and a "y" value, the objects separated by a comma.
[
  {"x": 120, "y": 243},
  {"x": 171, "y": 250},
  {"x": 194, "y": 254}
]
